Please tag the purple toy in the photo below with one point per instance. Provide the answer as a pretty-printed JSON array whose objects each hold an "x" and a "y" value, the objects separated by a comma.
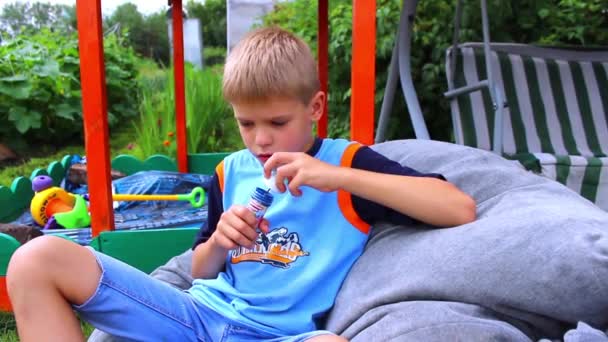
[{"x": 41, "y": 183}]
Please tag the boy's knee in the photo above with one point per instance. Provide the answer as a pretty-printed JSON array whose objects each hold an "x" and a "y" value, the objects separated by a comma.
[{"x": 34, "y": 256}]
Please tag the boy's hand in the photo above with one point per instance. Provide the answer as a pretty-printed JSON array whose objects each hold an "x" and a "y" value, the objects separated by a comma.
[
  {"x": 236, "y": 227},
  {"x": 299, "y": 169}
]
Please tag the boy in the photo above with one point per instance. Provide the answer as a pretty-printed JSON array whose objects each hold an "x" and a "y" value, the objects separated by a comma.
[{"x": 269, "y": 281}]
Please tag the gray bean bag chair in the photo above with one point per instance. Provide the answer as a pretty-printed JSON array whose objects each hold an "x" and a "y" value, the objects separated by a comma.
[{"x": 534, "y": 265}]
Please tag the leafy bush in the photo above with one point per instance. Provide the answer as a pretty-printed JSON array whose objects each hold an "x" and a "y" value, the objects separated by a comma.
[
  {"x": 121, "y": 80},
  {"x": 549, "y": 22},
  {"x": 146, "y": 34},
  {"x": 212, "y": 16},
  {"x": 561, "y": 22},
  {"x": 40, "y": 95},
  {"x": 299, "y": 17},
  {"x": 210, "y": 126}
]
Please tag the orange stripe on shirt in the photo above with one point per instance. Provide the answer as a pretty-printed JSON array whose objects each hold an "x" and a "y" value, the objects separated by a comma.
[
  {"x": 345, "y": 200},
  {"x": 219, "y": 170}
]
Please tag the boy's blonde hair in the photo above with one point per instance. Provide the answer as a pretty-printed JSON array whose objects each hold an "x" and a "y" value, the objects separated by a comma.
[{"x": 270, "y": 63}]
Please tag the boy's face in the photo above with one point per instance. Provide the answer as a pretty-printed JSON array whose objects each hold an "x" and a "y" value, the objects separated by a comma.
[{"x": 278, "y": 125}]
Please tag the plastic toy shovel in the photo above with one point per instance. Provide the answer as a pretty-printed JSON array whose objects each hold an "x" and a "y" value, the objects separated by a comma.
[{"x": 196, "y": 197}]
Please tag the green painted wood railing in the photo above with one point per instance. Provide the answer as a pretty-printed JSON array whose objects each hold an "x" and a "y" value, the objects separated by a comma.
[{"x": 16, "y": 198}]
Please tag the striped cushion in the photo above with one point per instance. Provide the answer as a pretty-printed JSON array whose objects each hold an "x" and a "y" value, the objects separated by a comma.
[{"x": 557, "y": 110}]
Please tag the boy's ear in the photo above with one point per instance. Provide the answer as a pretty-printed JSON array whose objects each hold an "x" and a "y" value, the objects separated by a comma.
[{"x": 318, "y": 106}]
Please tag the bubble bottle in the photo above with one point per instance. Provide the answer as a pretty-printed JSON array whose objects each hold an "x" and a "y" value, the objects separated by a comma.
[
  {"x": 259, "y": 202},
  {"x": 262, "y": 198}
]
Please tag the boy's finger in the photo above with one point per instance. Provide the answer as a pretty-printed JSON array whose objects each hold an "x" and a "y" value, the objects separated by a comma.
[
  {"x": 244, "y": 214},
  {"x": 275, "y": 161},
  {"x": 225, "y": 242},
  {"x": 245, "y": 228},
  {"x": 248, "y": 231},
  {"x": 280, "y": 183},
  {"x": 284, "y": 175},
  {"x": 264, "y": 226},
  {"x": 238, "y": 237},
  {"x": 294, "y": 186},
  {"x": 236, "y": 223}
]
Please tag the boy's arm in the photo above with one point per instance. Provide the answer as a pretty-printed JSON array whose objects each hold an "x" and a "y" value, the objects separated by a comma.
[
  {"x": 207, "y": 261},
  {"x": 371, "y": 212},
  {"x": 424, "y": 197}
]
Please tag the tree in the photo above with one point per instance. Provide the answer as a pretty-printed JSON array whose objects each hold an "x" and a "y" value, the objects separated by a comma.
[
  {"x": 127, "y": 18},
  {"x": 146, "y": 34},
  {"x": 25, "y": 17},
  {"x": 212, "y": 16},
  {"x": 157, "y": 38},
  {"x": 13, "y": 17}
]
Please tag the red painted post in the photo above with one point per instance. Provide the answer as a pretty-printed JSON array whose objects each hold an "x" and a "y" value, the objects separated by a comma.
[
  {"x": 5, "y": 303},
  {"x": 322, "y": 60},
  {"x": 363, "y": 71},
  {"x": 180, "y": 93},
  {"x": 94, "y": 109}
]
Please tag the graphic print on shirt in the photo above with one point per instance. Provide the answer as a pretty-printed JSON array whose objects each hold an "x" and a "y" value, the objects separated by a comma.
[{"x": 277, "y": 248}]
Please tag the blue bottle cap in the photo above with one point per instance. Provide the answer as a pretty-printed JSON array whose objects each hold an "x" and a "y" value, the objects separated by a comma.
[{"x": 263, "y": 196}]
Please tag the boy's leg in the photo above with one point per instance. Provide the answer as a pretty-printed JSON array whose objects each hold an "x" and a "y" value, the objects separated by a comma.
[
  {"x": 117, "y": 298},
  {"x": 131, "y": 305},
  {"x": 44, "y": 277},
  {"x": 176, "y": 272}
]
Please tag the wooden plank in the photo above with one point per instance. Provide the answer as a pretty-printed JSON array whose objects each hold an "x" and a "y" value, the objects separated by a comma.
[
  {"x": 180, "y": 93},
  {"x": 94, "y": 108},
  {"x": 205, "y": 163},
  {"x": 8, "y": 245},
  {"x": 5, "y": 304},
  {"x": 10, "y": 207},
  {"x": 323, "y": 61},
  {"x": 363, "y": 71},
  {"x": 146, "y": 249}
]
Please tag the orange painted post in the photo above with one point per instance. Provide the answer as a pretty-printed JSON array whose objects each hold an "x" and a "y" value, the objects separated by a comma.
[
  {"x": 180, "y": 93},
  {"x": 363, "y": 71},
  {"x": 322, "y": 60},
  {"x": 5, "y": 304},
  {"x": 94, "y": 108}
]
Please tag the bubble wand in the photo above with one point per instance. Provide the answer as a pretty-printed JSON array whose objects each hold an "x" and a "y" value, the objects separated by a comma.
[{"x": 196, "y": 197}]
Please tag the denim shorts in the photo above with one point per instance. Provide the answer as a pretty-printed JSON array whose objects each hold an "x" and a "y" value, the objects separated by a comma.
[{"x": 133, "y": 306}]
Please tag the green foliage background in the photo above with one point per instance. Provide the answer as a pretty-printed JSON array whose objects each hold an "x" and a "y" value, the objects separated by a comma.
[
  {"x": 212, "y": 16},
  {"x": 209, "y": 122},
  {"x": 40, "y": 96},
  {"x": 547, "y": 22},
  {"x": 147, "y": 34},
  {"x": 40, "y": 93},
  {"x": 39, "y": 72}
]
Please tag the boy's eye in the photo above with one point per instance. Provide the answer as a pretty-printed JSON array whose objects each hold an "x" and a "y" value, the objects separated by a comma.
[
  {"x": 245, "y": 123},
  {"x": 279, "y": 123}
]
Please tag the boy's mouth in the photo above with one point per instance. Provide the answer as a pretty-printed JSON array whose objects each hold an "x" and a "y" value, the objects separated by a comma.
[{"x": 263, "y": 157}]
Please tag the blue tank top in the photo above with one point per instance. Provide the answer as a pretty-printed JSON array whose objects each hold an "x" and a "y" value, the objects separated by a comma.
[{"x": 291, "y": 277}]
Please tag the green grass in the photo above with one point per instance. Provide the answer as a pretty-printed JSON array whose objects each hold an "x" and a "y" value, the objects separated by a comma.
[
  {"x": 209, "y": 121},
  {"x": 8, "y": 328},
  {"x": 8, "y": 332}
]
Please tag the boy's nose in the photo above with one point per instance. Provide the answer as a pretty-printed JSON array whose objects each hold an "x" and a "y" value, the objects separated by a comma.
[{"x": 262, "y": 138}]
